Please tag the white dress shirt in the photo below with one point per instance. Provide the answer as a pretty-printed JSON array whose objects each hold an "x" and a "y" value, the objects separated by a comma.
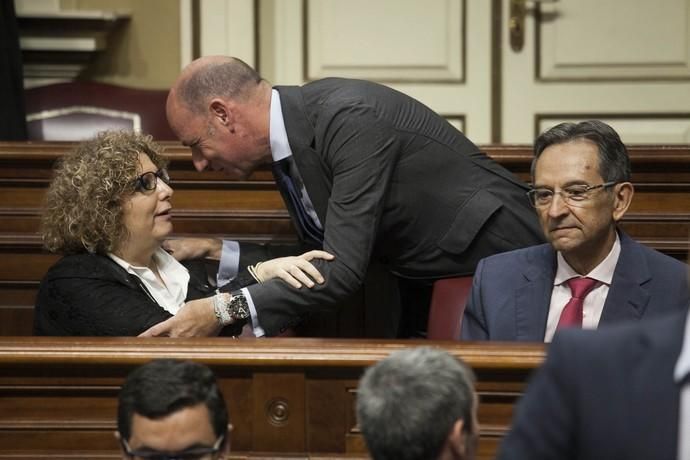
[
  {"x": 172, "y": 292},
  {"x": 230, "y": 255},
  {"x": 593, "y": 304}
]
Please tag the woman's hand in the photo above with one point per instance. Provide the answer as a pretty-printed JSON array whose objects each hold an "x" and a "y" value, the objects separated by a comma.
[
  {"x": 295, "y": 270},
  {"x": 194, "y": 248},
  {"x": 195, "y": 319}
]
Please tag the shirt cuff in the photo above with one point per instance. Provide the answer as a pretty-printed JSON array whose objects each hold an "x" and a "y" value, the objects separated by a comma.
[
  {"x": 229, "y": 263},
  {"x": 258, "y": 330}
]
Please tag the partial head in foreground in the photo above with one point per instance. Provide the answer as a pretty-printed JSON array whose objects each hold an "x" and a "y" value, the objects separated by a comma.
[
  {"x": 172, "y": 408},
  {"x": 418, "y": 404}
]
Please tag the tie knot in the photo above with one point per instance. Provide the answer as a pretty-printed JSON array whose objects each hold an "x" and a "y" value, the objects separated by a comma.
[{"x": 580, "y": 287}]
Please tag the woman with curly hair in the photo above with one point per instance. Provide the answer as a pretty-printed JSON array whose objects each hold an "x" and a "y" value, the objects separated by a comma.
[{"x": 108, "y": 211}]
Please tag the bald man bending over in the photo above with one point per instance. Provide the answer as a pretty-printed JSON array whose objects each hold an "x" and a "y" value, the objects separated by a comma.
[{"x": 367, "y": 173}]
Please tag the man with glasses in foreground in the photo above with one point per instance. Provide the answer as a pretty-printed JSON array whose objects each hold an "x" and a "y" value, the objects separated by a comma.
[
  {"x": 171, "y": 409},
  {"x": 591, "y": 273}
]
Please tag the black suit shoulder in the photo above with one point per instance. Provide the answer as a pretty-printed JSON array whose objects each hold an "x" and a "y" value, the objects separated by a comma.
[
  {"x": 597, "y": 390},
  {"x": 660, "y": 259},
  {"x": 507, "y": 264},
  {"x": 527, "y": 254}
]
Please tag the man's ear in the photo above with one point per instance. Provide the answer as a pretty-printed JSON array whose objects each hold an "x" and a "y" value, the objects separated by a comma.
[
  {"x": 457, "y": 440},
  {"x": 622, "y": 197},
  {"x": 119, "y": 443},
  {"x": 220, "y": 110},
  {"x": 225, "y": 451},
  {"x": 226, "y": 444}
]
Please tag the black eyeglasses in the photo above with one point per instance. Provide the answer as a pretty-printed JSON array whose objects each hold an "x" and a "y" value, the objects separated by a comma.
[
  {"x": 574, "y": 195},
  {"x": 149, "y": 180},
  {"x": 196, "y": 453}
]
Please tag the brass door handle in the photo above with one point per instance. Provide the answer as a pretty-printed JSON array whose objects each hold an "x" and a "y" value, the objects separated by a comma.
[{"x": 516, "y": 22}]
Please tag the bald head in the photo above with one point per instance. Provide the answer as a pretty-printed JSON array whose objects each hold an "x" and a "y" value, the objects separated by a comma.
[
  {"x": 220, "y": 108},
  {"x": 209, "y": 77}
]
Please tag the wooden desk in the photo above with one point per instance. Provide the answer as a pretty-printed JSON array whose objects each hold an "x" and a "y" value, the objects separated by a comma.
[{"x": 287, "y": 397}]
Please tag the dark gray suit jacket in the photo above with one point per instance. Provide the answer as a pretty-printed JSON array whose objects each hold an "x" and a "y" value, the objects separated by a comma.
[
  {"x": 603, "y": 395},
  {"x": 393, "y": 182},
  {"x": 511, "y": 292}
]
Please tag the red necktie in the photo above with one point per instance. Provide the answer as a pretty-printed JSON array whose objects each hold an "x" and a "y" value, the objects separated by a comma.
[{"x": 571, "y": 315}]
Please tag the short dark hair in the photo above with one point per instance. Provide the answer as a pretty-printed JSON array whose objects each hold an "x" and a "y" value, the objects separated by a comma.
[
  {"x": 408, "y": 402},
  {"x": 230, "y": 78},
  {"x": 614, "y": 163},
  {"x": 164, "y": 386}
]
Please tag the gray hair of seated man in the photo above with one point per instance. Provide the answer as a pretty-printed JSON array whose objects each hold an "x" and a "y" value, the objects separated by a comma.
[
  {"x": 164, "y": 386},
  {"x": 408, "y": 403},
  {"x": 614, "y": 163}
]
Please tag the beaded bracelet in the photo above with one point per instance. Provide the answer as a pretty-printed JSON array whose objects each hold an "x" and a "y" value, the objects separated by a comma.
[
  {"x": 220, "y": 307},
  {"x": 254, "y": 271}
]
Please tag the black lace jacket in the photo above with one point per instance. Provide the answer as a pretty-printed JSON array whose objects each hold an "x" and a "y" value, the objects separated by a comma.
[{"x": 91, "y": 295}]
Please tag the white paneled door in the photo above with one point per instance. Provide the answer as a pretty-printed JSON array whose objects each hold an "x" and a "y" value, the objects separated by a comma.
[
  {"x": 495, "y": 73},
  {"x": 624, "y": 61}
]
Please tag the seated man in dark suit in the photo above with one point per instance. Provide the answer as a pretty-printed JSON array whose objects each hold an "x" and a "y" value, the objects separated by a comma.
[
  {"x": 591, "y": 273},
  {"x": 172, "y": 409},
  {"x": 620, "y": 393}
]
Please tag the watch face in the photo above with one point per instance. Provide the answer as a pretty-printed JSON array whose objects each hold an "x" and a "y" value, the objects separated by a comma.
[{"x": 239, "y": 309}]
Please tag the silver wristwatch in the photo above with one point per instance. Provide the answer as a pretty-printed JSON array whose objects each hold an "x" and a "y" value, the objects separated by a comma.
[{"x": 230, "y": 308}]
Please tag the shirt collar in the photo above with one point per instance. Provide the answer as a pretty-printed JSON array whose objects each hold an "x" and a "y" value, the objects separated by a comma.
[
  {"x": 169, "y": 294},
  {"x": 602, "y": 272},
  {"x": 683, "y": 364},
  {"x": 280, "y": 147},
  {"x": 166, "y": 264}
]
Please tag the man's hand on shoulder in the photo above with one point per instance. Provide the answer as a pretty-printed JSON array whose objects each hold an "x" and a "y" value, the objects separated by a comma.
[
  {"x": 295, "y": 270},
  {"x": 194, "y": 248}
]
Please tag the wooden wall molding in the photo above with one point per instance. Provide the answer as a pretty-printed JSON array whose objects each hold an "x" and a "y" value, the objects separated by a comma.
[{"x": 361, "y": 51}]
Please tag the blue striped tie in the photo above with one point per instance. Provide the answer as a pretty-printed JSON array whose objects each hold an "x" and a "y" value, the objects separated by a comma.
[{"x": 307, "y": 227}]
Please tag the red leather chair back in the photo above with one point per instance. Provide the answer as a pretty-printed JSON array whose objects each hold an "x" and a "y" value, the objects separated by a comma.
[
  {"x": 448, "y": 300},
  {"x": 77, "y": 110}
]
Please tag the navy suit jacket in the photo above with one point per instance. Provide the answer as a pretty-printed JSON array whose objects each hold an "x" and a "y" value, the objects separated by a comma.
[
  {"x": 603, "y": 395},
  {"x": 511, "y": 292}
]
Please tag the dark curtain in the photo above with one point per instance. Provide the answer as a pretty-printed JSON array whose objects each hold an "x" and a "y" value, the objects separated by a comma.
[{"x": 12, "y": 113}]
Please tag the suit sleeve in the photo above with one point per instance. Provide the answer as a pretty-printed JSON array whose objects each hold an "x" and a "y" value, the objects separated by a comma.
[
  {"x": 94, "y": 307},
  {"x": 251, "y": 253},
  {"x": 544, "y": 423},
  {"x": 474, "y": 322},
  {"x": 361, "y": 151}
]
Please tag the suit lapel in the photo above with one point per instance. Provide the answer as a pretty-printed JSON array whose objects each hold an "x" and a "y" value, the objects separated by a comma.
[
  {"x": 303, "y": 142},
  {"x": 627, "y": 298},
  {"x": 532, "y": 299}
]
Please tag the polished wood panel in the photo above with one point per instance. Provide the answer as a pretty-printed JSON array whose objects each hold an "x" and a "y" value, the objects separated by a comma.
[{"x": 287, "y": 397}]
